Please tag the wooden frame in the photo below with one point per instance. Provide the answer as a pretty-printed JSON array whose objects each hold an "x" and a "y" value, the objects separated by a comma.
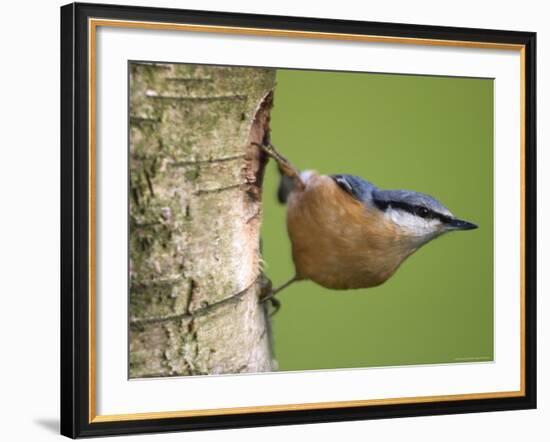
[{"x": 78, "y": 25}]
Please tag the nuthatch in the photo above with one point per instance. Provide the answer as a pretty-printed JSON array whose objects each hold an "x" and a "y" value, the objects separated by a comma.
[{"x": 346, "y": 233}]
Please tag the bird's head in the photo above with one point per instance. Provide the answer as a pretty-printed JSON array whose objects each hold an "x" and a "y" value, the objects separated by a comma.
[{"x": 417, "y": 217}]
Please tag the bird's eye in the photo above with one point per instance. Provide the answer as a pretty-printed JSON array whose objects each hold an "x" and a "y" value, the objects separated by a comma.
[{"x": 422, "y": 212}]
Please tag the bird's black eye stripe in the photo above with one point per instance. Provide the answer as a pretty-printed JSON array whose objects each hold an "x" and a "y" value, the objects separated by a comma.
[
  {"x": 420, "y": 211},
  {"x": 423, "y": 212}
]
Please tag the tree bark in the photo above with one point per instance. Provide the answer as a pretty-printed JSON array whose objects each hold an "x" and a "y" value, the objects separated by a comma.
[{"x": 195, "y": 211}]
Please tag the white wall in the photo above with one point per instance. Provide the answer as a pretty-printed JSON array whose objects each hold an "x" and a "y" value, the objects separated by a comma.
[{"x": 29, "y": 188}]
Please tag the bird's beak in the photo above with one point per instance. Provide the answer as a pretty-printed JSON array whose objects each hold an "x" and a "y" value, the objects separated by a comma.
[{"x": 459, "y": 224}]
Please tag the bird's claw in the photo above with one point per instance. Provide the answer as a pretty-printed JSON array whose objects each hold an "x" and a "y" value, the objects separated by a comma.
[
  {"x": 276, "y": 304},
  {"x": 267, "y": 294}
]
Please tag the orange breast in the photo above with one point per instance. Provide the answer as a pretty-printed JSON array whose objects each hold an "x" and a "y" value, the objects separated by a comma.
[{"x": 337, "y": 241}]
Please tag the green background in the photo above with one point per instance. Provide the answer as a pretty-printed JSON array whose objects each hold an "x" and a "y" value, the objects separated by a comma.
[{"x": 428, "y": 134}]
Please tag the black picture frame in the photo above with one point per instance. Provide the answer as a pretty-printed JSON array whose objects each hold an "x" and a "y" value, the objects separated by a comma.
[{"x": 75, "y": 219}]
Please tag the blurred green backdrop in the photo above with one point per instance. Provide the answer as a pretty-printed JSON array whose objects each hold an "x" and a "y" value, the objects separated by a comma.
[{"x": 428, "y": 134}]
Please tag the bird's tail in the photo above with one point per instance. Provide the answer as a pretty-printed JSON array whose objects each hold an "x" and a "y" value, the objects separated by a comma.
[{"x": 286, "y": 184}]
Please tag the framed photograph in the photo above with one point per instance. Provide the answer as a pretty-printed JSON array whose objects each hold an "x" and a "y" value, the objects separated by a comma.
[{"x": 275, "y": 220}]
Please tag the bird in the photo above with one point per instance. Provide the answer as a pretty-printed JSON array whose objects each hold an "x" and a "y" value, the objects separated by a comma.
[{"x": 346, "y": 233}]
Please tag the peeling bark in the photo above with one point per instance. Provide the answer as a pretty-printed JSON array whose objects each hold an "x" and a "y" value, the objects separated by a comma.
[{"x": 195, "y": 205}]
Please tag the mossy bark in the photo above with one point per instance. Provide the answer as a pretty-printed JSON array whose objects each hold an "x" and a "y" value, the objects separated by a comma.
[{"x": 195, "y": 189}]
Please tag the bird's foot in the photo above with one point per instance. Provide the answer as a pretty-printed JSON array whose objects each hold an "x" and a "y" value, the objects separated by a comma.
[
  {"x": 268, "y": 294},
  {"x": 285, "y": 166}
]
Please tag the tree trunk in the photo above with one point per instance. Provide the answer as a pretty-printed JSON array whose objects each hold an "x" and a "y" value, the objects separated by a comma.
[{"x": 195, "y": 189}]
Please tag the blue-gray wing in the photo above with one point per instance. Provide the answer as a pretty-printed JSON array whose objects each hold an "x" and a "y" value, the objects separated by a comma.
[{"x": 357, "y": 187}]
